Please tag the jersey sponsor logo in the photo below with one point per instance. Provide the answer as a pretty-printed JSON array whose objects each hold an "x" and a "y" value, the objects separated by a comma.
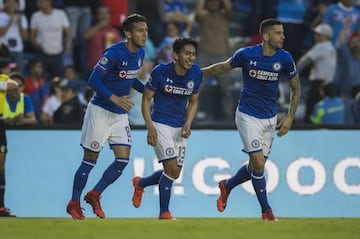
[
  {"x": 177, "y": 90},
  {"x": 122, "y": 74},
  {"x": 130, "y": 74},
  {"x": 263, "y": 75}
]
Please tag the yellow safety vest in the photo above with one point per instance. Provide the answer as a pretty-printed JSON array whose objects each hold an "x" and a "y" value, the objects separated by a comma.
[
  {"x": 3, "y": 77},
  {"x": 20, "y": 108}
]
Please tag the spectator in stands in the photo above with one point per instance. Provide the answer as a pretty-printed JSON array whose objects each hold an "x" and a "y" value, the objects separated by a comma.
[
  {"x": 18, "y": 107},
  {"x": 80, "y": 16},
  {"x": 100, "y": 36},
  {"x": 118, "y": 12},
  {"x": 292, "y": 14},
  {"x": 338, "y": 14},
  {"x": 213, "y": 17},
  {"x": 330, "y": 110},
  {"x": 14, "y": 31},
  {"x": 164, "y": 51},
  {"x": 176, "y": 11},
  {"x": 322, "y": 61},
  {"x": 71, "y": 74},
  {"x": 348, "y": 51},
  {"x": 355, "y": 107},
  {"x": 52, "y": 102},
  {"x": 36, "y": 86},
  {"x": 49, "y": 27},
  {"x": 71, "y": 111}
]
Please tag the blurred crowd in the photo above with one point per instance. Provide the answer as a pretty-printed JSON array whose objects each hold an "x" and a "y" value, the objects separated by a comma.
[{"x": 54, "y": 45}]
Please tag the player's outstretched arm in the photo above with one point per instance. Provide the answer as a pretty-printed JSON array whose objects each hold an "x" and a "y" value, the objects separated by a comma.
[
  {"x": 217, "y": 68},
  {"x": 285, "y": 124}
]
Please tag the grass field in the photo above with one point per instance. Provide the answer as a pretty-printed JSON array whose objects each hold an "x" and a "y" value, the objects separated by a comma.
[{"x": 192, "y": 228}]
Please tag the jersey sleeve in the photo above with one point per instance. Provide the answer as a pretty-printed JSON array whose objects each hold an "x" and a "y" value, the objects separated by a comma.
[
  {"x": 154, "y": 81},
  {"x": 104, "y": 65},
  {"x": 290, "y": 70},
  {"x": 237, "y": 58},
  {"x": 197, "y": 79}
]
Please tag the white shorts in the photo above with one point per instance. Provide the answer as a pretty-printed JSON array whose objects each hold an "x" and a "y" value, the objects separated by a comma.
[
  {"x": 170, "y": 144},
  {"x": 256, "y": 134},
  {"x": 101, "y": 125}
]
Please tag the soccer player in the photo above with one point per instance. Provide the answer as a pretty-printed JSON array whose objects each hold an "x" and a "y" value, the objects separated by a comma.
[
  {"x": 106, "y": 117},
  {"x": 174, "y": 87},
  {"x": 5, "y": 84},
  {"x": 256, "y": 115}
]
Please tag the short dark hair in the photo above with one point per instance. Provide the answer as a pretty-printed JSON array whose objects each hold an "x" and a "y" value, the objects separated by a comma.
[
  {"x": 17, "y": 75},
  {"x": 179, "y": 43},
  {"x": 128, "y": 24},
  {"x": 267, "y": 23}
]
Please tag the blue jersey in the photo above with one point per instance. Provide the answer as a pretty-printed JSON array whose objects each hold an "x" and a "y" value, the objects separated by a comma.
[
  {"x": 172, "y": 92},
  {"x": 261, "y": 75},
  {"x": 115, "y": 74}
]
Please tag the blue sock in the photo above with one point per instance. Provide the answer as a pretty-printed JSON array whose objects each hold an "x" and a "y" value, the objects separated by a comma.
[
  {"x": 112, "y": 173},
  {"x": 81, "y": 177},
  {"x": 165, "y": 184},
  {"x": 240, "y": 177},
  {"x": 152, "y": 179},
  {"x": 259, "y": 183}
]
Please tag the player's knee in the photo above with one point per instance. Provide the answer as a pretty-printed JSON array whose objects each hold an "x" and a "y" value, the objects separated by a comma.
[
  {"x": 258, "y": 165},
  {"x": 3, "y": 149},
  {"x": 173, "y": 171}
]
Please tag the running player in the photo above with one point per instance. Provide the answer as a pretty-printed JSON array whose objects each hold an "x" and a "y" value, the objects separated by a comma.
[
  {"x": 106, "y": 117},
  {"x": 175, "y": 90},
  {"x": 256, "y": 115}
]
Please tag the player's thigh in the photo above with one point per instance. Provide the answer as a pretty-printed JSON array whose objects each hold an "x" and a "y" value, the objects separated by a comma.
[
  {"x": 256, "y": 134},
  {"x": 170, "y": 145},
  {"x": 120, "y": 139},
  {"x": 96, "y": 128}
]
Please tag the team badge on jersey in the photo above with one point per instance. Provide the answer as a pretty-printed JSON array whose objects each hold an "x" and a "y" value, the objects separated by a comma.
[
  {"x": 190, "y": 84},
  {"x": 277, "y": 66}
]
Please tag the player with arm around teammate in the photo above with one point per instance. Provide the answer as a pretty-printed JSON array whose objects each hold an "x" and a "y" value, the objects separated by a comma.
[
  {"x": 256, "y": 115},
  {"x": 106, "y": 117},
  {"x": 174, "y": 89}
]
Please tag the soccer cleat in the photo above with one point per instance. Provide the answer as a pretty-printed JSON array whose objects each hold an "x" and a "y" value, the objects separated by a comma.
[
  {"x": 166, "y": 216},
  {"x": 138, "y": 192},
  {"x": 73, "y": 208},
  {"x": 224, "y": 194},
  {"x": 269, "y": 216},
  {"x": 93, "y": 198},
  {"x": 5, "y": 212}
]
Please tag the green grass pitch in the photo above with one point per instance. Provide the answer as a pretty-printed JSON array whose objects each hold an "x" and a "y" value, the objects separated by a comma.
[{"x": 182, "y": 228}]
